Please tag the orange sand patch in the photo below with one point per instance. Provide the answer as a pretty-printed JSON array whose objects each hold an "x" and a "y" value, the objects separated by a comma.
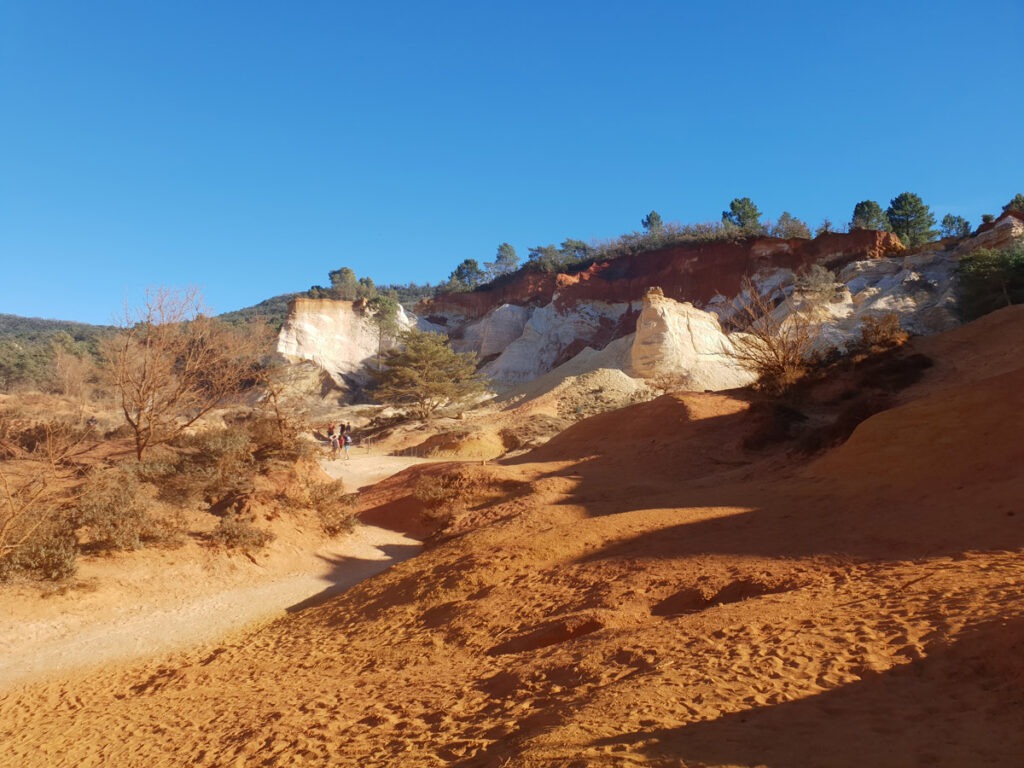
[{"x": 658, "y": 596}]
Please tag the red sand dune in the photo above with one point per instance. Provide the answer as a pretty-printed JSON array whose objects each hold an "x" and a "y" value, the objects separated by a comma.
[{"x": 640, "y": 591}]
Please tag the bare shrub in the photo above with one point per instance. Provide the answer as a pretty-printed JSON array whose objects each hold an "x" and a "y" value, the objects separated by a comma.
[
  {"x": 878, "y": 334},
  {"x": 53, "y": 441},
  {"x": 333, "y": 507},
  {"x": 445, "y": 494},
  {"x": 36, "y": 537},
  {"x": 73, "y": 375},
  {"x": 666, "y": 383},
  {"x": 223, "y": 458},
  {"x": 112, "y": 509},
  {"x": 237, "y": 532},
  {"x": 775, "y": 345},
  {"x": 818, "y": 284},
  {"x": 167, "y": 530},
  {"x": 171, "y": 364},
  {"x": 282, "y": 418},
  {"x": 48, "y": 552},
  {"x": 202, "y": 466},
  {"x": 280, "y": 435}
]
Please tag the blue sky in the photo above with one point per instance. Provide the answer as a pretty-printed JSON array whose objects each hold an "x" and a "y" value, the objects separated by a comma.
[{"x": 249, "y": 148}]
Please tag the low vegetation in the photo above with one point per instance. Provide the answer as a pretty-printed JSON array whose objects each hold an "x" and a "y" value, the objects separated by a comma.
[
  {"x": 238, "y": 532},
  {"x": 775, "y": 338},
  {"x": 991, "y": 279},
  {"x": 334, "y": 507},
  {"x": 68, "y": 486},
  {"x": 446, "y": 495}
]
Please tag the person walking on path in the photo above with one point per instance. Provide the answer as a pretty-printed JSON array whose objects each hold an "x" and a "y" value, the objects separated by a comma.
[
  {"x": 335, "y": 444},
  {"x": 347, "y": 441}
]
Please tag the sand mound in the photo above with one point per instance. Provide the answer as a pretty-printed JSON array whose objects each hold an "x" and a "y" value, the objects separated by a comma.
[{"x": 642, "y": 590}]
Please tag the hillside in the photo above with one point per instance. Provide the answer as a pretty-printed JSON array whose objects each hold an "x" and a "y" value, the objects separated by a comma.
[{"x": 642, "y": 590}]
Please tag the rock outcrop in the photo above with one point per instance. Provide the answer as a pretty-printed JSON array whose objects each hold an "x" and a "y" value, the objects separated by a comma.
[
  {"x": 493, "y": 333},
  {"x": 677, "y": 340},
  {"x": 554, "y": 334},
  {"x": 528, "y": 324},
  {"x": 693, "y": 272},
  {"x": 336, "y": 335},
  {"x": 920, "y": 289},
  {"x": 1004, "y": 232}
]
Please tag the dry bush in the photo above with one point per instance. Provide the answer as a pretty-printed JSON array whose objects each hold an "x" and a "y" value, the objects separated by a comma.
[
  {"x": 73, "y": 375},
  {"x": 222, "y": 457},
  {"x": 53, "y": 440},
  {"x": 112, "y": 509},
  {"x": 36, "y": 536},
  {"x": 333, "y": 507},
  {"x": 445, "y": 495},
  {"x": 278, "y": 436},
  {"x": 171, "y": 364},
  {"x": 203, "y": 466},
  {"x": 237, "y": 532},
  {"x": 775, "y": 346},
  {"x": 282, "y": 417},
  {"x": 165, "y": 528},
  {"x": 50, "y": 553},
  {"x": 879, "y": 334},
  {"x": 666, "y": 383},
  {"x": 819, "y": 284}
]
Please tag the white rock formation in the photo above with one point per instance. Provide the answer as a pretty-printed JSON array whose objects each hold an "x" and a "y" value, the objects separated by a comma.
[
  {"x": 920, "y": 289},
  {"x": 1006, "y": 231},
  {"x": 332, "y": 334},
  {"x": 677, "y": 339},
  {"x": 547, "y": 335},
  {"x": 492, "y": 334}
]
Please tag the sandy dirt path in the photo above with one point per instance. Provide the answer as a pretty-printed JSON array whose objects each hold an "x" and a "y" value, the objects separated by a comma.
[
  {"x": 128, "y": 625},
  {"x": 30, "y": 650},
  {"x": 360, "y": 470}
]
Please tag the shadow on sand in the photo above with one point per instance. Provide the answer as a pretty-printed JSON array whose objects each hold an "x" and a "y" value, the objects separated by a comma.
[
  {"x": 901, "y": 717},
  {"x": 346, "y": 572}
]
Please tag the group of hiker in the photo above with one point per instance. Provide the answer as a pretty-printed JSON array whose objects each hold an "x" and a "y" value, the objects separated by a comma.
[{"x": 340, "y": 438}]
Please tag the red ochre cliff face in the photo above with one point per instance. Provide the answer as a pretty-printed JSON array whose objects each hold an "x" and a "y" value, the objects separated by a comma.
[{"x": 693, "y": 272}]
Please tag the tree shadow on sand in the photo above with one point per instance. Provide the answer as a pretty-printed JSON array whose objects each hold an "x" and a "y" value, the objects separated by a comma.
[
  {"x": 916, "y": 483},
  {"x": 963, "y": 704},
  {"x": 346, "y": 572}
]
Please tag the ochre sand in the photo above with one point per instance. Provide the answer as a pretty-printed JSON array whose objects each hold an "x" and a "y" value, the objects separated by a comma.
[{"x": 640, "y": 591}]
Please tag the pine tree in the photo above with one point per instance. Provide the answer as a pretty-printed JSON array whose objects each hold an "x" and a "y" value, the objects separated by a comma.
[
  {"x": 1016, "y": 204},
  {"x": 744, "y": 214},
  {"x": 911, "y": 219},
  {"x": 789, "y": 226},
  {"x": 426, "y": 374},
  {"x": 505, "y": 261},
  {"x": 466, "y": 276},
  {"x": 652, "y": 222},
  {"x": 867, "y": 214},
  {"x": 344, "y": 284},
  {"x": 955, "y": 226}
]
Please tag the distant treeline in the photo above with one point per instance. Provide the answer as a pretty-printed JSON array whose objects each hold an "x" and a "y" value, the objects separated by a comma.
[
  {"x": 27, "y": 346},
  {"x": 907, "y": 216}
]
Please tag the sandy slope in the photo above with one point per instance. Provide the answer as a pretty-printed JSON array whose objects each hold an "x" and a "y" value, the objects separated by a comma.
[
  {"x": 641, "y": 591},
  {"x": 150, "y": 603},
  {"x": 148, "y": 627}
]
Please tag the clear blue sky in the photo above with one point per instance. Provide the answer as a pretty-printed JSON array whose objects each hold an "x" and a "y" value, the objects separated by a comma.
[{"x": 248, "y": 148}]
